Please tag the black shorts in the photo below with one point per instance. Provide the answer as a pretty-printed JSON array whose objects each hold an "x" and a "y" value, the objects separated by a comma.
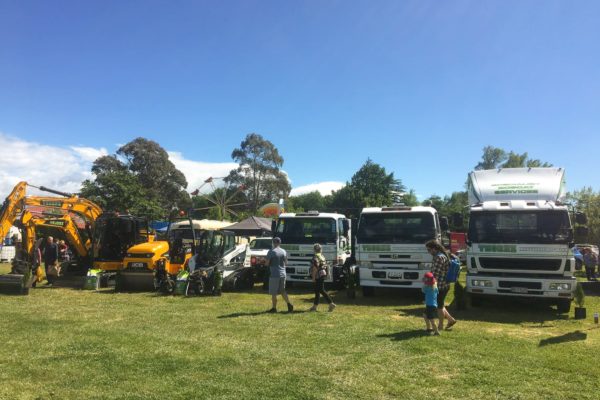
[
  {"x": 441, "y": 297},
  {"x": 431, "y": 312}
]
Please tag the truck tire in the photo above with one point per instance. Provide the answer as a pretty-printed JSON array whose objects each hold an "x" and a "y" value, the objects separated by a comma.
[
  {"x": 563, "y": 306},
  {"x": 368, "y": 291}
]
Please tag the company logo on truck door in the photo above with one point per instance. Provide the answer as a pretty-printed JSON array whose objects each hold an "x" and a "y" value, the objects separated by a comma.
[
  {"x": 498, "y": 248},
  {"x": 514, "y": 188}
]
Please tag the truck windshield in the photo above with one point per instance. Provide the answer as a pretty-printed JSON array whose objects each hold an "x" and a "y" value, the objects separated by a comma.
[
  {"x": 396, "y": 228},
  {"x": 307, "y": 230},
  {"x": 543, "y": 227}
]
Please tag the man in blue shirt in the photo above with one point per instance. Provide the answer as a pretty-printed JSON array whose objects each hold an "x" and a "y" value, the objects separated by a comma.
[{"x": 277, "y": 260}]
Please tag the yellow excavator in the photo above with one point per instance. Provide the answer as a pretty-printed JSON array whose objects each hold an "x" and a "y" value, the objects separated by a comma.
[{"x": 100, "y": 240}]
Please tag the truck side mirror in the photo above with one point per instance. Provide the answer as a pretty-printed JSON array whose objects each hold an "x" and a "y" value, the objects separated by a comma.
[
  {"x": 444, "y": 223},
  {"x": 581, "y": 218},
  {"x": 346, "y": 227},
  {"x": 273, "y": 226}
]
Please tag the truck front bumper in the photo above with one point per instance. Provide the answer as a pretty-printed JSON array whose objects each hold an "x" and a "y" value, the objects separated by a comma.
[
  {"x": 393, "y": 278},
  {"x": 557, "y": 288}
]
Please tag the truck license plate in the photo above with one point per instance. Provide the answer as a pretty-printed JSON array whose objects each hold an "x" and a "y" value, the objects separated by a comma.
[
  {"x": 395, "y": 275},
  {"x": 519, "y": 289},
  {"x": 138, "y": 265}
]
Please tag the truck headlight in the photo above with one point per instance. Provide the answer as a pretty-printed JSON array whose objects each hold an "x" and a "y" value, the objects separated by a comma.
[
  {"x": 560, "y": 286},
  {"x": 426, "y": 266},
  {"x": 482, "y": 283}
]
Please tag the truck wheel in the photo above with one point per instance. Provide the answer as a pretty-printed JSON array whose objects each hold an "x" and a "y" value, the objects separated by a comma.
[
  {"x": 368, "y": 291},
  {"x": 475, "y": 300},
  {"x": 563, "y": 306}
]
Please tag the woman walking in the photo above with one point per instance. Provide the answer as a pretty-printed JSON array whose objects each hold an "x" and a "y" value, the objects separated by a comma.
[
  {"x": 318, "y": 272},
  {"x": 441, "y": 263}
]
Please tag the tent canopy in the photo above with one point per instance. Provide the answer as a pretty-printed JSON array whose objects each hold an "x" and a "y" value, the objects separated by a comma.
[{"x": 252, "y": 226}]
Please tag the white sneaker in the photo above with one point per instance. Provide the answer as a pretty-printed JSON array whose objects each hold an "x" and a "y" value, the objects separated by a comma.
[{"x": 332, "y": 307}]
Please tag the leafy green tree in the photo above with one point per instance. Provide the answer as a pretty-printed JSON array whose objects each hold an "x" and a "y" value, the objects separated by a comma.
[
  {"x": 410, "y": 198},
  {"x": 150, "y": 163},
  {"x": 588, "y": 202},
  {"x": 515, "y": 160},
  {"x": 434, "y": 201},
  {"x": 139, "y": 178},
  {"x": 449, "y": 206},
  {"x": 492, "y": 158},
  {"x": 259, "y": 171},
  {"x": 370, "y": 186},
  {"x": 306, "y": 202}
]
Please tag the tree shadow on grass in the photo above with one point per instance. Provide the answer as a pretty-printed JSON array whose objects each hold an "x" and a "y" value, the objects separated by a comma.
[
  {"x": 567, "y": 337},
  {"x": 405, "y": 335}
]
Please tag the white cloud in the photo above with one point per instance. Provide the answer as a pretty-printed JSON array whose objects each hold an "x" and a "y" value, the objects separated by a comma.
[
  {"x": 325, "y": 188},
  {"x": 64, "y": 168},
  {"x": 39, "y": 164},
  {"x": 89, "y": 154},
  {"x": 196, "y": 172}
]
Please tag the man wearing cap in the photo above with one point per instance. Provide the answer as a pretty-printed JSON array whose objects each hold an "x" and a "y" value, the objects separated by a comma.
[{"x": 277, "y": 260}]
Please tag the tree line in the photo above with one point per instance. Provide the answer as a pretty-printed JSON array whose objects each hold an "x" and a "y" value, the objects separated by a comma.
[{"x": 139, "y": 178}]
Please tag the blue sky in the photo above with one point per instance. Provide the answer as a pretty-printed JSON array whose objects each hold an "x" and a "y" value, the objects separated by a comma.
[{"x": 418, "y": 86}]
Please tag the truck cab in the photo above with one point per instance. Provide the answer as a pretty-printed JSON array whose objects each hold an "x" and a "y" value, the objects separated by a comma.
[
  {"x": 520, "y": 236},
  {"x": 390, "y": 246},
  {"x": 300, "y": 231}
]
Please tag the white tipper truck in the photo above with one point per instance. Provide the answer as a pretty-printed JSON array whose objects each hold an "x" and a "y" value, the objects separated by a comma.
[
  {"x": 300, "y": 231},
  {"x": 520, "y": 236},
  {"x": 390, "y": 246}
]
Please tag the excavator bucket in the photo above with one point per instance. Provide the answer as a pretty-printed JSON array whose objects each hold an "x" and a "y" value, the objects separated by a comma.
[{"x": 18, "y": 281}]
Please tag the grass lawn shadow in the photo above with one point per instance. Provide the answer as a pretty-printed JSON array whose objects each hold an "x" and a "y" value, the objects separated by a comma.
[
  {"x": 567, "y": 337},
  {"x": 255, "y": 313},
  {"x": 500, "y": 310},
  {"x": 405, "y": 335}
]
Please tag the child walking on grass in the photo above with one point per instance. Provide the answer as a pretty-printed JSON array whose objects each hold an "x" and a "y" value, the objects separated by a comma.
[{"x": 430, "y": 290}]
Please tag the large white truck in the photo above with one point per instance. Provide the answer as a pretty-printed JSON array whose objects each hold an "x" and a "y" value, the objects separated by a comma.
[
  {"x": 520, "y": 236},
  {"x": 300, "y": 231},
  {"x": 390, "y": 246}
]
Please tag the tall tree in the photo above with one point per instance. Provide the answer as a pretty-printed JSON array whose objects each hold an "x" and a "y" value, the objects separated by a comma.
[
  {"x": 139, "y": 178},
  {"x": 370, "y": 186},
  {"x": 495, "y": 157},
  {"x": 307, "y": 201},
  {"x": 259, "y": 171},
  {"x": 588, "y": 202},
  {"x": 150, "y": 163},
  {"x": 492, "y": 158},
  {"x": 515, "y": 160}
]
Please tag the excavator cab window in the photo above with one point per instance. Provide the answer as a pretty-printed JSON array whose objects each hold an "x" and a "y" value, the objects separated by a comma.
[{"x": 114, "y": 234}]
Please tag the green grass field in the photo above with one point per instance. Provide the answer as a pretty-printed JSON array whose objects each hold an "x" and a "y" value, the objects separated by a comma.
[{"x": 72, "y": 344}]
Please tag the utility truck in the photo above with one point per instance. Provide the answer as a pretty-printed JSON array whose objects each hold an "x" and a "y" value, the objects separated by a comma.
[
  {"x": 390, "y": 246},
  {"x": 520, "y": 236},
  {"x": 300, "y": 231}
]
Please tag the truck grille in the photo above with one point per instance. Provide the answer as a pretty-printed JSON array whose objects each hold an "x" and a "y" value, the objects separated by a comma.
[
  {"x": 531, "y": 264},
  {"x": 528, "y": 285}
]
